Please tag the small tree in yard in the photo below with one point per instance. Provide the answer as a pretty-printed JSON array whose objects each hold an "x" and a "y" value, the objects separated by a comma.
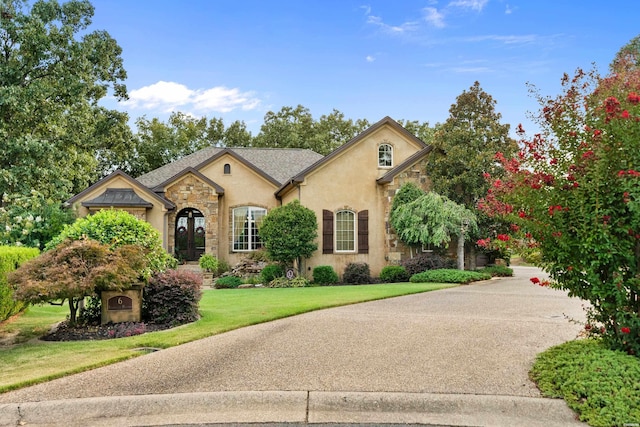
[
  {"x": 74, "y": 270},
  {"x": 433, "y": 219},
  {"x": 289, "y": 233},
  {"x": 573, "y": 193}
]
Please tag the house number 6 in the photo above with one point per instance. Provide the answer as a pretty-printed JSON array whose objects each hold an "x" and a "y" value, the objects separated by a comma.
[{"x": 120, "y": 301}]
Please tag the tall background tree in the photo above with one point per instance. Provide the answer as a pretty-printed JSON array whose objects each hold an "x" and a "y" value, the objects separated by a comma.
[
  {"x": 53, "y": 72},
  {"x": 465, "y": 146}
]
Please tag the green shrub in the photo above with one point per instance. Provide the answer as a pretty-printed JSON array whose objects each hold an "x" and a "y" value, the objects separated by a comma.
[
  {"x": 601, "y": 385},
  {"x": 449, "y": 276},
  {"x": 498, "y": 271},
  {"x": 208, "y": 263},
  {"x": 91, "y": 313},
  {"x": 223, "y": 267},
  {"x": 118, "y": 228},
  {"x": 357, "y": 273},
  {"x": 10, "y": 258},
  {"x": 228, "y": 282},
  {"x": 271, "y": 272},
  {"x": 325, "y": 275},
  {"x": 283, "y": 282},
  {"x": 172, "y": 298},
  {"x": 394, "y": 273},
  {"x": 427, "y": 261}
]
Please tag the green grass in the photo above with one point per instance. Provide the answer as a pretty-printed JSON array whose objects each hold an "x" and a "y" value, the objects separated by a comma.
[
  {"x": 38, "y": 361},
  {"x": 601, "y": 385}
]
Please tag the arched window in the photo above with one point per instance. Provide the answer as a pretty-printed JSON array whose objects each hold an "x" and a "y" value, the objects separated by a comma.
[
  {"x": 345, "y": 231},
  {"x": 227, "y": 169},
  {"x": 246, "y": 221},
  {"x": 385, "y": 156}
]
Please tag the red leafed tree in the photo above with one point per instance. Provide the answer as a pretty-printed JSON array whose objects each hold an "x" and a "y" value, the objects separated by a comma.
[
  {"x": 573, "y": 193},
  {"x": 75, "y": 269}
]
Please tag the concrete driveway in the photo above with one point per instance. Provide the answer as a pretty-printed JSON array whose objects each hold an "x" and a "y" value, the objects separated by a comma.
[{"x": 458, "y": 356}]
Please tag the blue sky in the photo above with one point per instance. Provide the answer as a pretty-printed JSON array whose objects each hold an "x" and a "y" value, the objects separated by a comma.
[{"x": 408, "y": 59}]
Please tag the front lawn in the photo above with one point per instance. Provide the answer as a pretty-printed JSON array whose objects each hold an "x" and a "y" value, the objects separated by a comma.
[
  {"x": 37, "y": 361},
  {"x": 601, "y": 385}
]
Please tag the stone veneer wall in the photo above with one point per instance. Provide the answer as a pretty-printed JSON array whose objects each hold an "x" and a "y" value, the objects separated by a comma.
[
  {"x": 396, "y": 250},
  {"x": 190, "y": 192}
]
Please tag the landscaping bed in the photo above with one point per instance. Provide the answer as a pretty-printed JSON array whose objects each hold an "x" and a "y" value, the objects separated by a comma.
[{"x": 65, "y": 332}]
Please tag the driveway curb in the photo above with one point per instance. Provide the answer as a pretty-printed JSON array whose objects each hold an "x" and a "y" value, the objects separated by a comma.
[{"x": 299, "y": 407}]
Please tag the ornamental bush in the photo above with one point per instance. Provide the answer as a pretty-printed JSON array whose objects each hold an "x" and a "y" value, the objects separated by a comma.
[
  {"x": 172, "y": 298},
  {"x": 208, "y": 263},
  {"x": 10, "y": 258},
  {"x": 271, "y": 272},
  {"x": 394, "y": 273},
  {"x": 427, "y": 261},
  {"x": 573, "y": 194},
  {"x": 449, "y": 276},
  {"x": 325, "y": 275},
  {"x": 117, "y": 228},
  {"x": 357, "y": 273},
  {"x": 227, "y": 282},
  {"x": 283, "y": 282}
]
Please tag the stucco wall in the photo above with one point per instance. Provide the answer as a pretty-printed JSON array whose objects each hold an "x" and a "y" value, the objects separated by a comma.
[
  {"x": 348, "y": 181},
  {"x": 242, "y": 187}
]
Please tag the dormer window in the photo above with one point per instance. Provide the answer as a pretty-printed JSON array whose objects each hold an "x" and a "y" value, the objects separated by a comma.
[{"x": 385, "y": 156}]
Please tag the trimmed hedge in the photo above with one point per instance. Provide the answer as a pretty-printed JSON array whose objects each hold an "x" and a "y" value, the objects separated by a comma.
[
  {"x": 498, "y": 271},
  {"x": 172, "y": 297},
  {"x": 449, "y": 276},
  {"x": 10, "y": 258},
  {"x": 394, "y": 273},
  {"x": 228, "y": 282},
  {"x": 325, "y": 275}
]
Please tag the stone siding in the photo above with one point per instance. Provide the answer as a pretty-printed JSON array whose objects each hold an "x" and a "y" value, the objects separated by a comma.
[{"x": 190, "y": 192}]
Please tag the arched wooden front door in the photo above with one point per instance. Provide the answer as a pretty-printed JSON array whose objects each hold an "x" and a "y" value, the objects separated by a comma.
[{"x": 190, "y": 234}]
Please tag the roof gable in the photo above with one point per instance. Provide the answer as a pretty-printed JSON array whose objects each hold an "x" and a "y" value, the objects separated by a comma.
[
  {"x": 386, "y": 121},
  {"x": 146, "y": 191},
  {"x": 187, "y": 171}
]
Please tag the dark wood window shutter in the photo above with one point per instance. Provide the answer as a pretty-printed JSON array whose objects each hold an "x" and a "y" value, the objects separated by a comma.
[
  {"x": 363, "y": 232},
  {"x": 327, "y": 232}
]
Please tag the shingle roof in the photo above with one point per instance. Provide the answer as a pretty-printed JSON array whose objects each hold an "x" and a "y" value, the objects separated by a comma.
[
  {"x": 118, "y": 197},
  {"x": 278, "y": 163}
]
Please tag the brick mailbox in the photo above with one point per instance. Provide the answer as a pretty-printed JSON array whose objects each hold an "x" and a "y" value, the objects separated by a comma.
[{"x": 122, "y": 306}]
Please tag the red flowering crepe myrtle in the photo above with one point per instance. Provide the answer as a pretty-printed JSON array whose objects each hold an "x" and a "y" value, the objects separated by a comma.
[{"x": 573, "y": 194}]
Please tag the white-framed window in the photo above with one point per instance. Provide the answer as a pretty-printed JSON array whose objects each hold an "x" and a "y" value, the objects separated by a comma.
[
  {"x": 385, "y": 156},
  {"x": 246, "y": 221},
  {"x": 345, "y": 231}
]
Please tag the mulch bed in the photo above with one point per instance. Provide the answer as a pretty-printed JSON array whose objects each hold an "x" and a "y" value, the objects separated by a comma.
[{"x": 66, "y": 332}]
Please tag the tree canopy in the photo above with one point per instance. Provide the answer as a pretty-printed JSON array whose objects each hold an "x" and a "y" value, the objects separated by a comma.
[{"x": 53, "y": 72}]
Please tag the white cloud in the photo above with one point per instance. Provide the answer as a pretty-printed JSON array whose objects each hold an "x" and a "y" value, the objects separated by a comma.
[
  {"x": 477, "y": 5},
  {"x": 403, "y": 28},
  {"x": 370, "y": 58},
  {"x": 169, "y": 96},
  {"x": 508, "y": 10},
  {"x": 433, "y": 17},
  {"x": 163, "y": 95}
]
